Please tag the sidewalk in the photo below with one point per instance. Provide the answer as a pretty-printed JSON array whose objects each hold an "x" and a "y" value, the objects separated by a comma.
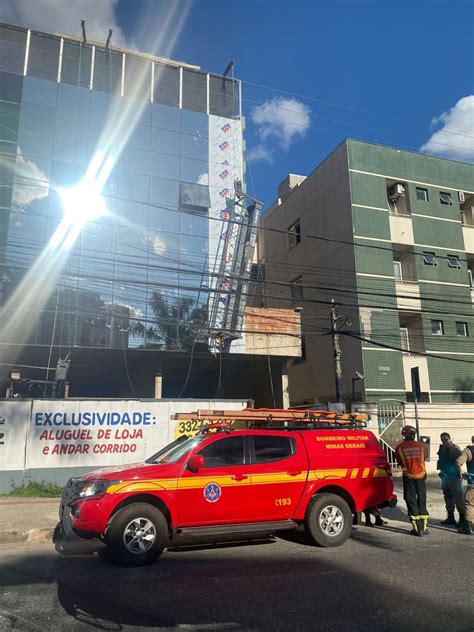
[
  {"x": 29, "y": 520},
  {"x": 32, "y": 520}
]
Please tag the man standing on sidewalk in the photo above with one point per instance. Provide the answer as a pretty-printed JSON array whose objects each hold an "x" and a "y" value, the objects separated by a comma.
[
  {"x": 411, "y": 456},
  {"x": 450, "y": 478},
  {"x": 467, "y": 457}
]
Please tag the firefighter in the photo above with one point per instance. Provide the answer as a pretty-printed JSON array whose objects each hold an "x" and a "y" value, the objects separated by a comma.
[
  {"x": 450, "y": 478},
  {"x": 411, "y": 456},
  {"x": 467, "y": 458}
]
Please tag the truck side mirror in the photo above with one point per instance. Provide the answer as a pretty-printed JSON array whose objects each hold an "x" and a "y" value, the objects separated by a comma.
[{"x": 195, "y": 463}]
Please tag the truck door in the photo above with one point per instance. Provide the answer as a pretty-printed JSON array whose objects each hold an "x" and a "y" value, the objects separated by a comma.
[
  {"x": 279, "y": 473},
  {"x": 217, "y": 493}
]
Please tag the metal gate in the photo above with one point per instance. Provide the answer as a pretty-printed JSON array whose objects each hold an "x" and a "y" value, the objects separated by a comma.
[{"x": 391, "y": 418}]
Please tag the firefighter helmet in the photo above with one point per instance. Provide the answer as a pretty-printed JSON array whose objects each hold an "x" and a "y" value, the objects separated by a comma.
[{"x": 408, "y": 430}]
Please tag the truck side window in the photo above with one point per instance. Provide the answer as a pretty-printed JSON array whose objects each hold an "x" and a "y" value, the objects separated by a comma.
[
  {"x": 268, "y": 448},
  {"x": 228, "y": 451}
]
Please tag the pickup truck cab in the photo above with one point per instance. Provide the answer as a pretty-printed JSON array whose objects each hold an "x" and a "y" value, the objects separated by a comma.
[{"x": 225, "y": 482}]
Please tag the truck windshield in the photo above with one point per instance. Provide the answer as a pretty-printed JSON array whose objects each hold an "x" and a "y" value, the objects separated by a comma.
[{"x": 174, "y": 451}]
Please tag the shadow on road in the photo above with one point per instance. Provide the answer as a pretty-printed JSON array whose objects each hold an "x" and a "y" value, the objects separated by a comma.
[{"x": 227, "y": 588}]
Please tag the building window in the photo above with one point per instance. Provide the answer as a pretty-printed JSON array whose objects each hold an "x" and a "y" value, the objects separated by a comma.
[
  {"x": 462, "y": 329},
  {"x": 404, "y": 339},
  {"x": 430, "y": 259},
  {"x": 453, "y": 261},
  {"x": 294, "y": 234},
  {"x": 397, "y": 270},
  {"x": 422, "y": 194},
  {"x": 437, "y": 328},
  {"x": 471, "y": 278},
  {"x": 445, "y": 198},
  {"x": 296, "y": 289}
]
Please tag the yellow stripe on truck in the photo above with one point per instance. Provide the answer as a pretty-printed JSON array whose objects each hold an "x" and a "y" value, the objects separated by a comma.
[{"x": 229, "y": 480}]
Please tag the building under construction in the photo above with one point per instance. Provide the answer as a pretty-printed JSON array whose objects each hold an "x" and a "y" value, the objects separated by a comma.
[{"x": 146, "y": 295}]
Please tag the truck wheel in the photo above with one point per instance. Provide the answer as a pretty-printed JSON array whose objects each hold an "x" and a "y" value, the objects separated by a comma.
[
  {"x": 328, "y": 520},
  {"x": 137, "y": 534}
]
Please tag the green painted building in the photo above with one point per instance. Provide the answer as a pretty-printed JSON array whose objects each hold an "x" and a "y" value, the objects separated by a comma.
[{"x": 389, "y": 235}]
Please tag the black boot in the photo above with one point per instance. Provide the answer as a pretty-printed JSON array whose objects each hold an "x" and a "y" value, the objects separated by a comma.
[
  {"x": 379, "y": 522},
  {"x": 416, "y": 524},
  {"x": 450, "y": 520},
  {"x": 368, "y": 522},
  {"x": 463, "y": 525}
]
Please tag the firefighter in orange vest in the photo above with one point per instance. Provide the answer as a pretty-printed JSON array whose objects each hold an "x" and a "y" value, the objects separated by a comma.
[{"x": 411, "y": 456}]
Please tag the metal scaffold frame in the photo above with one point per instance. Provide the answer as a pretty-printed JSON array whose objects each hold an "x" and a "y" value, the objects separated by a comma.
[{"x": 227, "y": 301}]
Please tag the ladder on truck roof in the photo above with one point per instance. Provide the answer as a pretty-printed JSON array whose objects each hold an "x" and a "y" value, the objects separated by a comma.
[{"x": 282, "y": 418}]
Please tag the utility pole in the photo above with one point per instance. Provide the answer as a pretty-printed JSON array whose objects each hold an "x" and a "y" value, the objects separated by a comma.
[{"x": 336, "y": 346}]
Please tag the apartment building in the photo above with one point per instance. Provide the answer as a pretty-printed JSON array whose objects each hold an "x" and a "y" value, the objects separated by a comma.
[{"x": 389, "y": 235}]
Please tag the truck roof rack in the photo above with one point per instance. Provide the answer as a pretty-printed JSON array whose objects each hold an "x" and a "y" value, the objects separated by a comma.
[{"x": 276, "y": 418}]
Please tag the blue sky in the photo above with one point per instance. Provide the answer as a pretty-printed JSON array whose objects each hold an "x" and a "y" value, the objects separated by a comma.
[{"x": 406, "y": 60}]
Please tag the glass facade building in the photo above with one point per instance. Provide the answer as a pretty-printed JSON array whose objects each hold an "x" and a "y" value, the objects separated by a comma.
[{"x": 140, "y": 273}]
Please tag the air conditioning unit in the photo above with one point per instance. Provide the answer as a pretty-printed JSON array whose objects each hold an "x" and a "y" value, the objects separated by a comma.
[
  {"x": 395, "y": 191},
  {"x": 461, "y": 196}
]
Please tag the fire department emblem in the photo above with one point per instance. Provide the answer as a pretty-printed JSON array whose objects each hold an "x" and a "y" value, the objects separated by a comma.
[{"x": 212, "y": 492}]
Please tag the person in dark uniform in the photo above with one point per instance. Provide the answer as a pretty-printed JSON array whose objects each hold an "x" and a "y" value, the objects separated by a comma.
[
  {"x": 450, "y": 478},
  {"x": 411, "y": 456}
]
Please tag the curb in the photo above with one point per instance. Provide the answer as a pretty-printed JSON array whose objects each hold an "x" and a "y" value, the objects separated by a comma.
[{"x": 32, "y": 536}]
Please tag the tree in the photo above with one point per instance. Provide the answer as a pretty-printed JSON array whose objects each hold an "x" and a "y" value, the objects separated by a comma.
[{"x": 177, "y": 323}]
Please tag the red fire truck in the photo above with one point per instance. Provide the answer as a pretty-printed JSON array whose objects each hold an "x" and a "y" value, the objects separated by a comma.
[{"x": 242, "y": 474}]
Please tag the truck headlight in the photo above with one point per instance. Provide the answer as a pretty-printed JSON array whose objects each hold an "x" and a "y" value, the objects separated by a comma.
[{"x": 93, "y": 489}]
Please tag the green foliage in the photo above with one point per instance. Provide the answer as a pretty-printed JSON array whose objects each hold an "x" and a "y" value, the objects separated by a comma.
[
  {"x": 177, "y": 323},
  {"x": 37, "y": 490}
]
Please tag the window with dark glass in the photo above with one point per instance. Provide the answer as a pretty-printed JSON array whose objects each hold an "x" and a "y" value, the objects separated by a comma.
[
  {"x": 43, "y": 56},
  {"x": 10, "y": 87},
  {"x": 137, "y": 78},
  {"x": 194, "y": 91},
  {"x": 422, "y": 194},
  {"x": 453, "y": 261},
  {"x": 9, "y": 120},
  {"x": 12, "y": 49},
  {"x": 445, "y": 198},
  {"x": 294, "y": 234},
  {"x": 223, "y": 97},
  {"x": 76, "y": 64},
  {"x": 437, "y": 328},
  {"x": 166, "y": 85},
  {"x": 296, "y": 289},
  {"x": 194, "y": 196},
  {"x": 222, "y": 452},
  {"x": 107, "y": 71},
  {"x": 429, "y": 259},
  {"x": 276, "y": 448},
  {"x": 462, "y": 329}
]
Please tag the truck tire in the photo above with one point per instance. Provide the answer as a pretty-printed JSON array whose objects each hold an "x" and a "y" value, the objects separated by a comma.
[
  {"x": 328, "y": 520},
  {"x": 137, "y": 534}
]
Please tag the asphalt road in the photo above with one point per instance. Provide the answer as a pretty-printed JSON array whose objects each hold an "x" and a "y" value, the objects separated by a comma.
[{"x": 381, "y": 579}]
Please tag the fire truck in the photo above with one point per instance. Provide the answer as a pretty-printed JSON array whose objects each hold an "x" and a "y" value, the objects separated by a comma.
[{"x": 241, "y": 475}]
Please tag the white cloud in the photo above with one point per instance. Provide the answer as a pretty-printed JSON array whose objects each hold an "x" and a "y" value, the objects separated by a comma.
[
  {"x": 279, "y": 122},
  {"x": 260, "y": 153},
  {"x": 455, "y": 139},
  {"x": 57, "y": 15},
  {"x": 25, "y": 191}
]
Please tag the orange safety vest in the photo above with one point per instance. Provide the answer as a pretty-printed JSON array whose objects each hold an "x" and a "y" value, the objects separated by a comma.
[{"x": 411, "y": 455}]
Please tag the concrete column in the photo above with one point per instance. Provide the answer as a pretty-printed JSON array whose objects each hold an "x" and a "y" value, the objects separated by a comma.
[
  {"x": 158, "y": 385},
  {"x": 285, "y": 394}
]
